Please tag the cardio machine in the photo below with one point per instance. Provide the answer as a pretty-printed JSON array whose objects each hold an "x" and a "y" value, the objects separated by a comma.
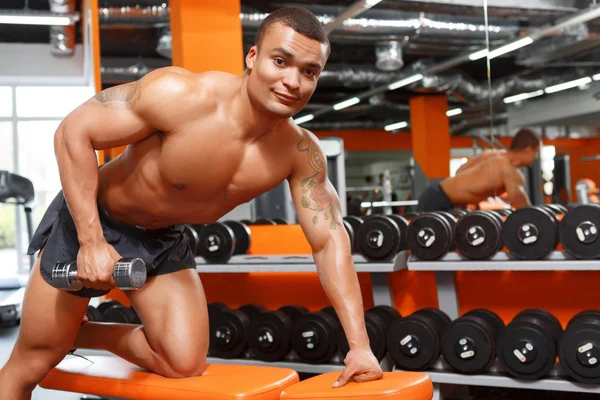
[{"x": 18, "y": 190}]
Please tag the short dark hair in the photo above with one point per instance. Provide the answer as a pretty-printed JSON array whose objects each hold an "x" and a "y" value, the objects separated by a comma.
[
  {"x": 525, "y": 138},
  {"x": 300, "y": 20}
]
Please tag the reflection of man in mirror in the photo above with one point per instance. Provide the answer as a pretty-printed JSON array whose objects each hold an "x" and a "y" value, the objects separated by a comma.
[{"x": 476, "y": 180}]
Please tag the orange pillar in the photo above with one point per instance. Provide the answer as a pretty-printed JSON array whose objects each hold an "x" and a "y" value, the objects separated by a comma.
[
  {"x": 207, "y": 35},
  {"x": 430, "y": 135}
]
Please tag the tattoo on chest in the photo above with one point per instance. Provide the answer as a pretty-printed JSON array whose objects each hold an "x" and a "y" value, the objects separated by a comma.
[
  {"x": 315, "y": 195},
  {"x": 125, "y": 94}
]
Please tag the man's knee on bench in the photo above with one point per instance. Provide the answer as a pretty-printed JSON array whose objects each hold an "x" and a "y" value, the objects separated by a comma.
[{"x": 176, "y": 358}]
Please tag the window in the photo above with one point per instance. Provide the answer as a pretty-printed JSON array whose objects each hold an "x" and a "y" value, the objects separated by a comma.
[
  {"x": 6, "y": 104},
  {"x": 50, "y": 101},
  {"x": 8, "y": 252}
]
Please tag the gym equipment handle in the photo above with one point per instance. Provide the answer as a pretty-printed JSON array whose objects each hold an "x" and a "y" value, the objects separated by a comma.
[{"x": 129, "y": 274}]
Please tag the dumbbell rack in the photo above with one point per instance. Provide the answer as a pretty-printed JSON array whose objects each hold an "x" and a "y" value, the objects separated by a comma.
[
  {"x": 452, "y": 262},
  {"x": 382, "y": 294}
]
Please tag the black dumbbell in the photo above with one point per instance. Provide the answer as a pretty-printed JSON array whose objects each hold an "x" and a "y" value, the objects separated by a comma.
[
  {"x": 314, "y": 336},
  {"x": 114, "y": 311},
  {"x": 269, "y": 333},
  {"x": 410, "y": 215},
  {"x": 429, "y": 235},
  {"x": 579, "y": 347},
  {"x": 504, "y": 212},
  {"x": 93, "y": 314},
  {"x": 214, "y": 309},
  {"x": 378, "y": 321},
  {"x": 191, "y": 235},
  {"x": 414, "y": 343},
  {"x": 354, "y": 222},
  {"x": 403, "y": 226},
  {"x": 378, "y": 238},
  {"x": 218, "y": 241},
  {"x": 458, "y": 213},
  {"x": 242, "y": 236},
  {"x": 579, "y": 230},
  {"x": 280, "y": 221},
  {"x": 531, "y": 233},
  {"x": 129, "y": 274},
  {"x": 528, "y": 346},
  {"x": 469, "y": 344},
  {"x": 229, "y": 330},
  {"x": 478, "y": 235}
]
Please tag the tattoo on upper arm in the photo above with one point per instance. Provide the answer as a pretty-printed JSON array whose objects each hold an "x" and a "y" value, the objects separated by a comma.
[
  {"x": 122, "y": 94},
  {"x": 315, "y": 194}
]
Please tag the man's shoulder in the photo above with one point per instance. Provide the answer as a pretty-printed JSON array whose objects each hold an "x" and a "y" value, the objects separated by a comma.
[{"x": 182, "y": 80}]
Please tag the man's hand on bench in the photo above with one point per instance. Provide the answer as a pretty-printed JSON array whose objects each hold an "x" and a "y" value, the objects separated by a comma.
[{"x": 361, "y": 366}]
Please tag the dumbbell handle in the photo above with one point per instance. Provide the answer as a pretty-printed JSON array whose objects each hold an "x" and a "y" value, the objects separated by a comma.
[{"x": 129, "y": 274}]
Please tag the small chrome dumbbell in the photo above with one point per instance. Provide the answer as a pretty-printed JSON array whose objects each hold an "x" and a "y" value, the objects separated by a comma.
[{"x": 129, "y": 274}]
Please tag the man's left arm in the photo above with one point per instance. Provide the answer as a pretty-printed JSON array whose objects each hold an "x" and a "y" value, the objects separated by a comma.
[{"x": 319, "y": 214}]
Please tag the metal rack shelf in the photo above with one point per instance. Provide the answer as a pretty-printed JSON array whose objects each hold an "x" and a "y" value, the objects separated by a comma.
[
  {"x": 441, "y": 373},
  {"x": 502, "y": 261},
  {"x": 293, "y": 263}
]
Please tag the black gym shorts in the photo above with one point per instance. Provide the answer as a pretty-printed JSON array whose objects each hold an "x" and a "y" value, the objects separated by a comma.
[
  {"x": 434, "y": 199},
  {"x": 163, "y": 250}
]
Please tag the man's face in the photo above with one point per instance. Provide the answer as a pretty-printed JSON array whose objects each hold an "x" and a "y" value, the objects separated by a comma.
[{"x": 283, "y": 75}]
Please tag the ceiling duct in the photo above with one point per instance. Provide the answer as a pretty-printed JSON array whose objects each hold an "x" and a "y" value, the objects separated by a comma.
[
  {"x": 571, "y": 42},
  {"x": 62, "y": 38},
  {"x": 389, "y": 55},
  {"x": 373, "y": 25},
  {"x": 137, "y": 15}
]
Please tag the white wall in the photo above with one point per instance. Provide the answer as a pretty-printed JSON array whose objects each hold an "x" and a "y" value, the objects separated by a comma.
[{"x": 29, "y": 63}]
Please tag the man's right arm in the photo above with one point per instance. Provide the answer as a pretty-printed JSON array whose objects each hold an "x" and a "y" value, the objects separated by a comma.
[
  {"x": 513, "y": 184},
  {"x": 117, "y": 116}
]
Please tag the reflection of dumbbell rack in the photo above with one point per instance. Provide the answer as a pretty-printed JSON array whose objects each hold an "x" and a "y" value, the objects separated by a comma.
[
  {"x": 382, "y": 295},
  {"x": 444, "y": 269}
]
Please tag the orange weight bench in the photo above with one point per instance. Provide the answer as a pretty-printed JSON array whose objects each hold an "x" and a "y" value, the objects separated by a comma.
[{"x": 111, "y": 376}]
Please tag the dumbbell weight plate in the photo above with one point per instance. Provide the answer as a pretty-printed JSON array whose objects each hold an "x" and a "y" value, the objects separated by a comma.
[
  {"x": 469, "y": 345},
  {"x": 293, "y": 312},
  {"x": 505, "y": 212},
  {"x": 429, "y": 236},
  {"x": 549, "y": 319},
  {"x": 556, "y": 208},
  {"x": 440, "y": 318},
  {"x": 491, "y": 317},
  {"x": 93, "y": 314},
  {"x": 527, "y": 347},
  {"x": 579, "y": 350},
  {"x": 280, "y": 221},
  {"x": 253, "y": 310},
  {"x": 105, "y": 305},
  {"x": 414, "y": 343},
  {"x": 118, "y": 313},
  {"x": 217, "y": 243},
  {"x": 269, "y": 336},
  {"x": 378, "y": 238},
  {"x": 246, "y": 222},
  {"x": 402, "y": 225},
  {"x": 478, "y": 235},
  {"x": 579, "y": 230},
  {"x": 192, "y": 237},
  {"x": 314, "y": 337},
  {"x": 228, "y": 334},
  {"x": 350, "y": 232},
  {"x": 584, "y": 314},
  {"x": 458, "y": 213},
  {"x": 530, "y": 233},
  {"x": 242, "y": 235},
  {"x": 389, "y": 314},
  {"x": 410, "y": 215}
]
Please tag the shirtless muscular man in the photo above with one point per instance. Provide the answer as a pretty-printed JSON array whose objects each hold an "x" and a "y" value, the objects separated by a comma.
[{"x": 198, "y": 145}]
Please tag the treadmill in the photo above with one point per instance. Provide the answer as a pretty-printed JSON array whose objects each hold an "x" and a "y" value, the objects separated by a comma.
[{"x": 17, "y": 190}]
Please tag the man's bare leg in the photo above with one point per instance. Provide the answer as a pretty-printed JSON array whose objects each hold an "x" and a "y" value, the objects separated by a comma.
[
  {"x": 49, "y": 324},
  {"x": 173, "y": 340}
]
